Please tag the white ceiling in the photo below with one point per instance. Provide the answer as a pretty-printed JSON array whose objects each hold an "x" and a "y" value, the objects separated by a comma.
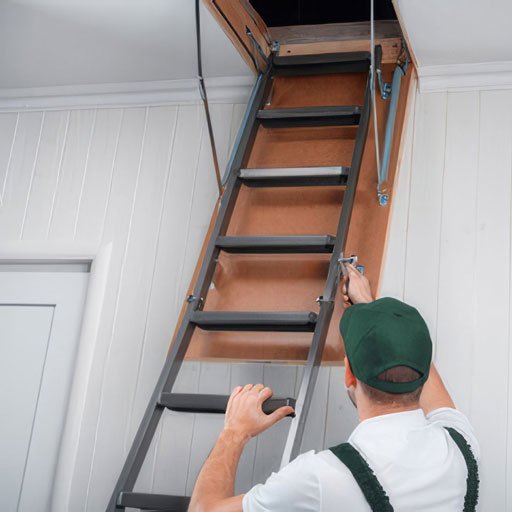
[
  {"x": 445, "y": 32},
  {"x": 77, "y": 42},
  {"x": 68, "y": 42}
]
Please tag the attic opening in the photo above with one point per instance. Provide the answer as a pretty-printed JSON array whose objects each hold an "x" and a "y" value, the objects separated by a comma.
[{"x": 316, "y": 12}]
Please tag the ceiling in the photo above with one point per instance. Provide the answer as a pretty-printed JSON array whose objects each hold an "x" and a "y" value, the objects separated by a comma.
[
  {"x": 70, "y": 42},
  {"x": 77, "y": 42},
  {"x": 445, "y": 32}
]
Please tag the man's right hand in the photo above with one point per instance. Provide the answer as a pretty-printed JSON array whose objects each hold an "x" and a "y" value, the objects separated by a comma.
[{"x": 358, "y": 291}]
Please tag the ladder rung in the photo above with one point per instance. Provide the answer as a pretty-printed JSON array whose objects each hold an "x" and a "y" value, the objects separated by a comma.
[
  {"x": 186, "y": 402},
  {"x": 276, "y": 244},
  {"x": 348, "y": 62},
  {"x": 310, "y": 116},
  {"x": 145, "y": 501},
  {"x": 255, "y": 321},
  {"x": 295, "y": 176}
]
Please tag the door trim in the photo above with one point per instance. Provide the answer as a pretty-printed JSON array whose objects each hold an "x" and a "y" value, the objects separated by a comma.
[{"x": 99, "y": 257}]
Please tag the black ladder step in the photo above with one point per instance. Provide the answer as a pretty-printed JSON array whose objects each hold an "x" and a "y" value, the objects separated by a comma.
[
  {"x": 348, "y": 62},
  {"x": 255, "y": 321},
  {"x": 276, "y": 244},
  {"x": 295, "y": 176},
  {"x": 146, "y": 501},
  {"x": 310, "y": 116},
  {"x": 188, "y": 402}
]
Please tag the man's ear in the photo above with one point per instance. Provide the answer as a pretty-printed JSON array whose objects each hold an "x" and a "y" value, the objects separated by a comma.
[{"x": 350, "y": 379}]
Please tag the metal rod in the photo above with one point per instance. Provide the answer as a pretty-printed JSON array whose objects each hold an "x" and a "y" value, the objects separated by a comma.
[
  {"x": 204, "y": 98},
  {"x": 390, "y": 126}
]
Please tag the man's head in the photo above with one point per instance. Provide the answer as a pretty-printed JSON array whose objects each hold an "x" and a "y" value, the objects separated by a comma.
[{"x": 389, "y": 351}]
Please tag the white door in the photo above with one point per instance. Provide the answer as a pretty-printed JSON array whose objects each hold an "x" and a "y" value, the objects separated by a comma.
[{"x": 41, "y": 308}]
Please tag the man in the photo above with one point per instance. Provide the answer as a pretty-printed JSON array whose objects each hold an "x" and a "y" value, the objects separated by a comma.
[{"x": 412, "y": 451}]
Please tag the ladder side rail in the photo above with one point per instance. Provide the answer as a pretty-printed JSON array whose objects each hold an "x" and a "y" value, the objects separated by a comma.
[
  {"x": 294, "y": 439},
  {"x": 150, "y": 420}
]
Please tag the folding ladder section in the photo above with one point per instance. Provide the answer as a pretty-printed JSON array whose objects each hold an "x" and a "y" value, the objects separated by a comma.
[{"x": 316, "y": 323}]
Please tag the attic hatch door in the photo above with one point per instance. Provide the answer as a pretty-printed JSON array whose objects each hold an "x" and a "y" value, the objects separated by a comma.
[{"x": 245, "y": 28}]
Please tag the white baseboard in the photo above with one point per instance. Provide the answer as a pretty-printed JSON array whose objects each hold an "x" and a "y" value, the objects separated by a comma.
[
  {"x": 162, "y": 92},
  {"x": 465, "y": 77}
]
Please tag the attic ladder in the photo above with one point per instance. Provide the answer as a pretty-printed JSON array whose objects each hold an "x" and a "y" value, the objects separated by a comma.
[{"x": 296, "y": 321}]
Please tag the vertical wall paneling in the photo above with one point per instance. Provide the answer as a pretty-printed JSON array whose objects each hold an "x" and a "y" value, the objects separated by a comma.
[
  {"x": 458, "y": 262},
  {"x": 135, "y": 288},
  {"x": 243, "y": 373},
  {"x": 98, "y": 175},
  {"x": 142, "y": 180},
  {"x": 164, "y": 305},
  {"x": 492, "y": 291},
  {"x": 455, "y": 331},
  {"x": 46, "y": 174},
  {"x": 173, "y": 451},
  {"x": 393, "y": 277},
  {"x": 341, "y": 413},
  {"x": 19, "y": 173},
  {"x": 8, "y": 129},
  {"x": 424, "y": 221},
  {"x": 215, "y": 379},
  {"x": 270, "y": 444},
  {"x": 72, "y": 174},
  {"x": 314, "y": 431},
  {"x": 116, "y": 226}
]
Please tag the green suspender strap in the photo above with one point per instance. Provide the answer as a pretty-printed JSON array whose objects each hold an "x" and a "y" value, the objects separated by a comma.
[
  {"x": 364, "y": 476},
  {"x": 375, "y": 494},
  {"x": 471, "y": 498}
]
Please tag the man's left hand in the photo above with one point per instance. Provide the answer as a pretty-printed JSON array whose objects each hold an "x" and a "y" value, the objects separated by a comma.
[{"x": 244, "y": 415}]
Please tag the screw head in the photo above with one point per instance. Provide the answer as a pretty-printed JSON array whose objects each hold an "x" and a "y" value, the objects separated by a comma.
[{"x": 383, "y": 199}]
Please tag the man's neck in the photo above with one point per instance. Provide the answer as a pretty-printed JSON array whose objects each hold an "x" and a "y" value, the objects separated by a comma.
[{"x": 368, "y": 410}]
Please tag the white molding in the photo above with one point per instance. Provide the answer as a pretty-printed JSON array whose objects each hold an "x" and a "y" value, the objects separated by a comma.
[
  {"x": 234, "y": 89},
  {"x": 61, "y": 499},
  {"x": 465, "y": 77}
]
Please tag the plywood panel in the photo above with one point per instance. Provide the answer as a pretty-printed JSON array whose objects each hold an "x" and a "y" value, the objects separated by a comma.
[{"x": 287, "y": 283}]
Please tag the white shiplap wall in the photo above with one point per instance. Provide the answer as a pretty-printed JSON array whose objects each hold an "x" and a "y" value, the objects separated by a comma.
[
  {"x": 449, "y": 254},
  {"x": 142, "y": 179}
]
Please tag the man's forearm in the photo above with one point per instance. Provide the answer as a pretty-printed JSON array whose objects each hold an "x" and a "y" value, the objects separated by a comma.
[{"x": 216, "y": 480}]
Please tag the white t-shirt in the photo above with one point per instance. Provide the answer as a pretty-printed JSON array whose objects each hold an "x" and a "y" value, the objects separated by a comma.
[{"x": 414, "y": 458}]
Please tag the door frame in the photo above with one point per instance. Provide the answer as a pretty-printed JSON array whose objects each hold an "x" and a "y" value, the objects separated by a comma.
[{"x": 99, "y": 256}]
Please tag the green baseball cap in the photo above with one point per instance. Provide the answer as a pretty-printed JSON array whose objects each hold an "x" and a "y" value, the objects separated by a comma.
[{"x": 383, "y": 334}]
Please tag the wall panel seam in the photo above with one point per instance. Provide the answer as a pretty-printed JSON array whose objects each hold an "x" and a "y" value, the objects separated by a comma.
[
  {"x": 8, "y": 166},
  {"x": 86, "y": 168},
  {"x": 29, "y": 192}
]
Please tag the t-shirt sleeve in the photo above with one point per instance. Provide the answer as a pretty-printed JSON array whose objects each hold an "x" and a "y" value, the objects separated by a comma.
[
  {"x": 295, "y": 487},
  {"x": 448, "y": 417}
]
